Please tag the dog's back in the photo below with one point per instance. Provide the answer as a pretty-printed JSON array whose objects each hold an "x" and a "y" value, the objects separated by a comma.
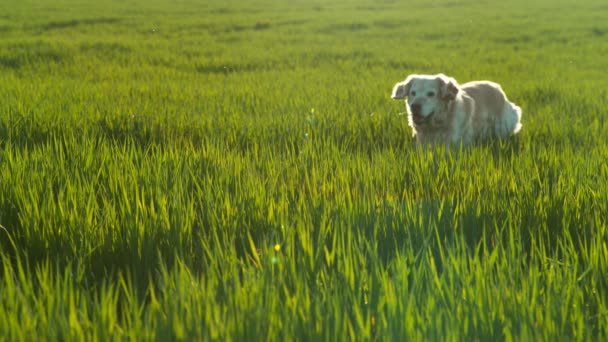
[
  {"x": 487, "y": 95},
  {"x": 494, "y": 114}
]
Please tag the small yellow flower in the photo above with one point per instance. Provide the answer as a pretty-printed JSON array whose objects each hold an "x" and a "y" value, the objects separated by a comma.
[{"x": 277, "y": 248}]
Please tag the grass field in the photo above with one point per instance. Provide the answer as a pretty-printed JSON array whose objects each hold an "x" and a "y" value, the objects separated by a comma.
[{"x": 236, "y": 170}]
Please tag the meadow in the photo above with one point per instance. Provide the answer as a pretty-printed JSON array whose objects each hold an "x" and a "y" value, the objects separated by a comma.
[{"x": 236, "y": 170}]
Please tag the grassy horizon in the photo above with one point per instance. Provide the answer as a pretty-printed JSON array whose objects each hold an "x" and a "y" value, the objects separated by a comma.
[{"x": 223, "y": 170}]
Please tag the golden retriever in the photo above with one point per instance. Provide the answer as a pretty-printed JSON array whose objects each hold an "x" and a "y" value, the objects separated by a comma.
[{"x": 442, "y": 111}]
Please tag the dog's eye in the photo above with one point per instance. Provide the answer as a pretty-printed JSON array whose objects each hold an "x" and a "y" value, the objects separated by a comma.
[
  {"x": 413, "y": 93},
  {"x": 430, "y": 94}
]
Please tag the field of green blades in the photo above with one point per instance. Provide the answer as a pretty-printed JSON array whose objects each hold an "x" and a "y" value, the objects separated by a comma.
[{"x": 236, "y": 170}]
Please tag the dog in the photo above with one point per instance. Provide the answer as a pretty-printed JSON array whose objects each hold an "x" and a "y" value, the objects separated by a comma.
[{"x": 442, "y": 111}]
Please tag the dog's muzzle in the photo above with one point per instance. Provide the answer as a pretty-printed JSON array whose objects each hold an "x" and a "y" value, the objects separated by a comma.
[{"x": 418, "y": 118}]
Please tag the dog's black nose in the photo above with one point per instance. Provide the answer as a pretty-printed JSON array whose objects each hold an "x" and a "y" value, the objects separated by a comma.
[{"x": 415, "y": 108}]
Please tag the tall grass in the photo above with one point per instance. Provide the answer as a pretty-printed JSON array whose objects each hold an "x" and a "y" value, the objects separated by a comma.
[{"x": 237, "y": 171}]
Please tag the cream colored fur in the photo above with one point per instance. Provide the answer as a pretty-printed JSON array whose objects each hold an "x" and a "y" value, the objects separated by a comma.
[{"x": 442, "y": 111}]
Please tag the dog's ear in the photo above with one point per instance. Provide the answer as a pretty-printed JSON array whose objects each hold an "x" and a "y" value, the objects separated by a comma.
[
  {"x": 401, "y": 89},
  {"x": 449, "y": 87}
]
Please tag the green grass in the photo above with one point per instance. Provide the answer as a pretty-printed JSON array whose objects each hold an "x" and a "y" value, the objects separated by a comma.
[{"x": 153, "y": 155}]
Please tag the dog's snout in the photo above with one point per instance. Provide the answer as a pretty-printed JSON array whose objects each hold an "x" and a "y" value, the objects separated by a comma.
[{"x": 415, "y": 107}]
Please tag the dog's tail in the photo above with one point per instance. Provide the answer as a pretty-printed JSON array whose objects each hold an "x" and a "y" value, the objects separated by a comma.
[{"x": 517, "y": 112}]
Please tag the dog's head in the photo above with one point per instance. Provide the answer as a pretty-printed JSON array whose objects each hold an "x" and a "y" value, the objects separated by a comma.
[{"x": 425, "y": 94}]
